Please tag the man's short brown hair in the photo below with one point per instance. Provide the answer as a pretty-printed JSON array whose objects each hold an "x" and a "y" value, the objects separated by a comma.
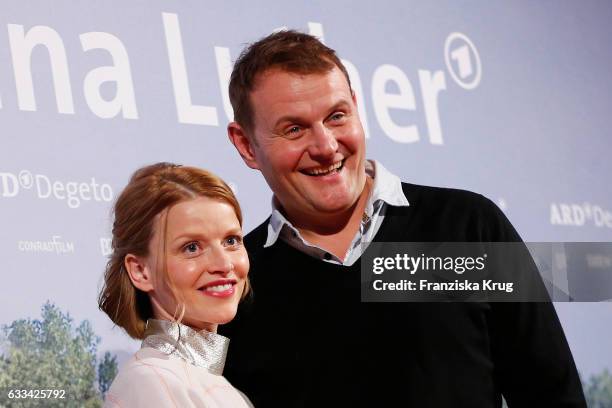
[{"x": 288, "y": 50}]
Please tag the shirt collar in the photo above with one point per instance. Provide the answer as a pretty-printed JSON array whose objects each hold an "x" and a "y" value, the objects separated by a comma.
[
  {"x": 387, "y": 188},
  {"x": 201, "y": 348}
]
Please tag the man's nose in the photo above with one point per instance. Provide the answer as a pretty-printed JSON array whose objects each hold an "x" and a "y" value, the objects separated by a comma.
[{"x": 323, "y": 143}]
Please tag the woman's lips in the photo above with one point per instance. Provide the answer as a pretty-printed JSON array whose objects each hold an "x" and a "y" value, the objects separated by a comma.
[{"x": 219, "y": 288}]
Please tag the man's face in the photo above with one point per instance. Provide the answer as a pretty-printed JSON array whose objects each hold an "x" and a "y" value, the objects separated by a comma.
[{"x": 309, "y": 142}]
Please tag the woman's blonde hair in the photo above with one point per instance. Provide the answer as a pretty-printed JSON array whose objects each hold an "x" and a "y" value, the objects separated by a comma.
[{"x": 151, "y": 190}]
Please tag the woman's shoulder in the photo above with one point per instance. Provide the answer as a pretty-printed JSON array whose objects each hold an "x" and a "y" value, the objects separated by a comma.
[
  {"x": 151, "y": 364},
  {"x": 150, "y": 377}
]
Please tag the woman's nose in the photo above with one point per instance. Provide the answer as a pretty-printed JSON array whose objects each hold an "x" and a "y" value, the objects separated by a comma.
[{"x": 219, "y": 261}]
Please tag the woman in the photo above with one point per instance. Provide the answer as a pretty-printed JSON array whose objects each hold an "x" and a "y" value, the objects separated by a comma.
[{"x": 178, "y": 270}]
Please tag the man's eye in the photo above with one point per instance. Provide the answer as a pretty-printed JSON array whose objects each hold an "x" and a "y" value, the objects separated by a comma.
[
  {"x": 337, "y": 116},
  {"x": 293, "y": 131}
]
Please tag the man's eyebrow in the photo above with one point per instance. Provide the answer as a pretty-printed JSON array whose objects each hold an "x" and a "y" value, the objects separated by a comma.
[
  {"x": 287, "y": 118},
  {"x": 340, "y": 104},
  {"x": 296, "y": 119}
]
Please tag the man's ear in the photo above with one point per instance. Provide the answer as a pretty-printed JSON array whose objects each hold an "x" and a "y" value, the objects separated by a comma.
[
  {"x": 243, "y": 144},
  {"x": 139, "y": 272}
]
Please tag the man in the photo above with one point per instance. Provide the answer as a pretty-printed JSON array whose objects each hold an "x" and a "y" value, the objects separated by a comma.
[{"x": 305, "y": 339}]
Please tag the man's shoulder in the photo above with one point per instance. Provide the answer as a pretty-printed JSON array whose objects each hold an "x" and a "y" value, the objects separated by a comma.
[
  {"x": 444, "y": 197},
  {"x": 257, "y": 237},
  {"x": 471, "y": 216}
]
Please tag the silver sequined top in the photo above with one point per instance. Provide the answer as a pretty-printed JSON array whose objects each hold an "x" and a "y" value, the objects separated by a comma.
[{"x": 201, "y": 348}]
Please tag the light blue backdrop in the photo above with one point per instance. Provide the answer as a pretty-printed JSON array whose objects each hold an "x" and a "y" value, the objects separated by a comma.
[{"x": 516, "y": 107}]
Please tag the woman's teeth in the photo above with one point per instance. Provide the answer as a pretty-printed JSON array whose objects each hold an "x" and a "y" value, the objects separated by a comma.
[{"x": 219, "y": 288}]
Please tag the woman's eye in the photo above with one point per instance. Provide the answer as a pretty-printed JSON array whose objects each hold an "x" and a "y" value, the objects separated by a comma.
[
  {"x": 191, "y": 247},
  {"x": 233, "y": 240}
]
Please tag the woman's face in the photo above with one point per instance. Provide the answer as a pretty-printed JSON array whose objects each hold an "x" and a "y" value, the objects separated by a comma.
[{"x": 206, "y": 261}]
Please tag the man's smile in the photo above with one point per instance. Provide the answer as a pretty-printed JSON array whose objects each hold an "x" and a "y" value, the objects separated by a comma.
[{"x": 323, "y": 171}]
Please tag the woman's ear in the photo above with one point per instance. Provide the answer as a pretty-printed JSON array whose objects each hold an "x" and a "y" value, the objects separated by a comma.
[{"x": 139, "y": 272}]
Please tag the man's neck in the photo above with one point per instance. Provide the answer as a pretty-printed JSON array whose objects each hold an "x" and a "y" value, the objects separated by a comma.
[{"x": 335, "y": 232}]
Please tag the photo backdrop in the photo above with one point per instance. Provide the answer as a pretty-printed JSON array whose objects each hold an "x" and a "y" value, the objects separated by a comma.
[{"x": 508, "y": 99}]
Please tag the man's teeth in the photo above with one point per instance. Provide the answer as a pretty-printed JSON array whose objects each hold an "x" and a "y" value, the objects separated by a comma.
[
  {"x": 325, "y": 170},
  {"x": 219, "y": 288}
]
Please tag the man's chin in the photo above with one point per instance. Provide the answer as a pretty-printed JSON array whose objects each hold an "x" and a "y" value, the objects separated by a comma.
[{"x": 333, "y": 207}]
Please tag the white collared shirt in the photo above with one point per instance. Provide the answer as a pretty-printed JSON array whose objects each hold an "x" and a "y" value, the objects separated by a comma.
[{"x": 386, "y": 190}]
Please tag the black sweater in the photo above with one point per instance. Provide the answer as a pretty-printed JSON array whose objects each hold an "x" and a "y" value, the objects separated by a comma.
[{"x": 304, "y": 339}]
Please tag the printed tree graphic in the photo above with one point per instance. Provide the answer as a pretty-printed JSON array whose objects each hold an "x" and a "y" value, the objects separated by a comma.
[
  {"x": 598, "y": 390},
  {"x": 51, "y": 353},
  {"x": 107, "y": 371}
]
